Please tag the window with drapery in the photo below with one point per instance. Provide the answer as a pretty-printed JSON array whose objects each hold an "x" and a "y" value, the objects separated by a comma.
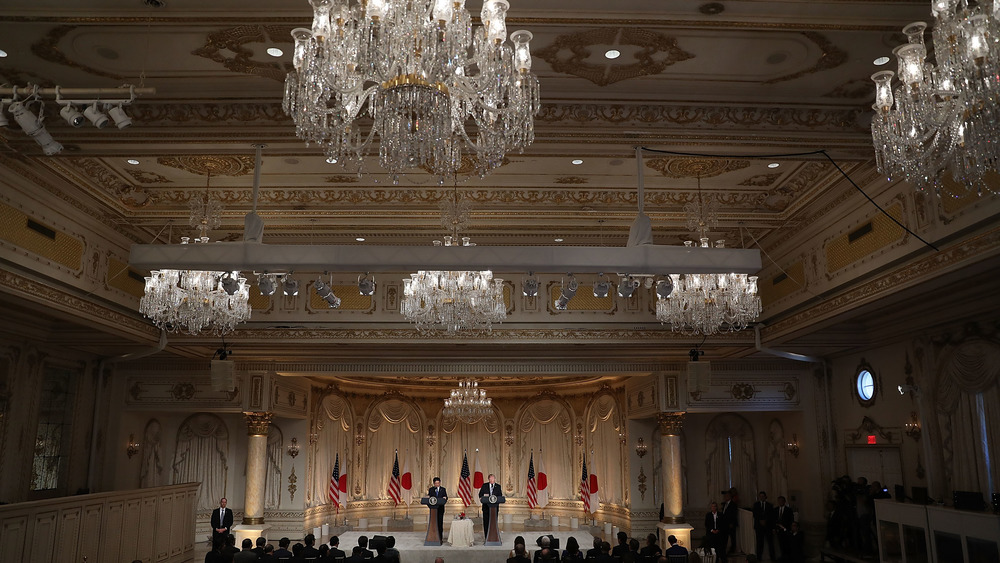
[
  {"x": 731, "y": 461},
  {"x": 52, "y": 437}
]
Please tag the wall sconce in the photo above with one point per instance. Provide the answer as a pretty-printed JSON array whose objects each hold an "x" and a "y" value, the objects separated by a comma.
[
  {"x": 640, "y": 448},
  {"x": 133, "y": 447},
  {"x": 622, "y": 438},
  {"x": 912, "y": 427},
  {"x": 313, "y": 438},
  {"x": 293, "y": 447},
  {"x": 793, "y": 446}
]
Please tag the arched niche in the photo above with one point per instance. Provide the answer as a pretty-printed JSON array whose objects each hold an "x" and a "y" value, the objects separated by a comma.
[
  {"x": 332, "y": 422},
  {"x": 730, "y": 458},
  {"x": 202, "y": 455},
  {"x": 544, "y": 425},
  {"x": 457, "y": 437},
  {"x": 605, "y": 452},
  {"x": 392, "y": 423}
]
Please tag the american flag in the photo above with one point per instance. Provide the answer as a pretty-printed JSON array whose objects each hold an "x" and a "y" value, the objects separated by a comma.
[
  {"x": 464, "y": 483},
  {"x": 532, "y": 490},
  {"x": 394, "y": 481},
  {"x": 585, "y": 487},
  {"x": 335, "y": 484}
]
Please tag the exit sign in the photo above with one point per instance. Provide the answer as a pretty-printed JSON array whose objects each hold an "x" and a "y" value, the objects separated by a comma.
[{"x": 871, "y": 439}]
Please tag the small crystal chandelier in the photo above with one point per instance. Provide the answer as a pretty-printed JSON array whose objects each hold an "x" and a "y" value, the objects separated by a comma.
[
  {"x": 706, "y": 303},
  {"x": 418, "y": 76},
  {"x": 943, "y": 114},
  {"x": 190, "y": 301},
  {"x": 468, "y": 403}
]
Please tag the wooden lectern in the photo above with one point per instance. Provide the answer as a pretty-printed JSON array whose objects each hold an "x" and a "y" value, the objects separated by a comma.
[
  {"x": 433, "y": 531},
  {"x": 491, "y": 503}
]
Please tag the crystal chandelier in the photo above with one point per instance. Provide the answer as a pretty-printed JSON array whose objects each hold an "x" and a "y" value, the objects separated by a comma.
[
  {"x": 453, "y": 301},
  {"x": 190, "y": 301},
  {"x": 706, "y": 303},
  {"x": 943, "y": 114},
  {"x": 415, "y": 74},
  {"x": 468, "y": 403}
]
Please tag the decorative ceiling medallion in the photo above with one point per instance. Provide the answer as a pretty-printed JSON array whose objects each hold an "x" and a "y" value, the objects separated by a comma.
[
  {"x": 687, "y": 167},
  {"x": 656, "y": 52},
  {"x": 830, "y": 56},
  {"x": 217, "y": 165},
  {"x": 761, "y": 180},
  {"x": 571, "y": 180},
  {"x": 341, "y": 179},
  {"x": 48, "y": 49},
  {"x": 235, "y": 40}
]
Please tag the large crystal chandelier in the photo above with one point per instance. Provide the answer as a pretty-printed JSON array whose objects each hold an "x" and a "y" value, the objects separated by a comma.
[
  {"x": 943, "y": 114},
  {"x": 419, "y": 77},
  {"x": 190, "y": 301},
  {"x": 706, "y": 303},
  {"x": 468, "y": 403}
]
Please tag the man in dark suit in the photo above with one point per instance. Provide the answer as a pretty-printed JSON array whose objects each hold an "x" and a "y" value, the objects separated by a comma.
[
  {"x": 222, "y": 521},
  {"x": 488, "y": 488},
  {"x": 441, "y": 494},
  {"x": 763, "y": 525},
  {"x": 783, "y": 518},
  {"x": 675, "y": 548},
  {"x": 715, "y": 534},
  {"x": 310, "y": 548},
  {"x": 259, "y": 549},
  {"x": 282, "y": 551},
  {"x": 622, "y": 548},
  {"x": 730, "y": 515},
  {"x": 596, "y": 551},
  {"x": 335, "y": 551}
]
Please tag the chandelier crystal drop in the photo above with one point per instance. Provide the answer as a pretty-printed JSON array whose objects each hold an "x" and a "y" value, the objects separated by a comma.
[
  {"x": 417, "y": 75},
  {"x": 708, "y": 303},
  {"x": 468, "y": 403},
  {"x": 453, "y": 301},
  {"x": 943, "y": 114},
  {"x": 190, "y": 301}
]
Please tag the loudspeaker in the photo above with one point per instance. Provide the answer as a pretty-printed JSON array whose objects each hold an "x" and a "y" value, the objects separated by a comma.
[
  {"x": 223, "y": 375},
  {"x": 699, "y": 376},
  {"x": 377, "y": 542}
]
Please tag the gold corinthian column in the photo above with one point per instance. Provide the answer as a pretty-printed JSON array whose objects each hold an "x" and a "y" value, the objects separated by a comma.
[
  {"x": 670, "y": 450},
  {"x": 258, "y": 424}
]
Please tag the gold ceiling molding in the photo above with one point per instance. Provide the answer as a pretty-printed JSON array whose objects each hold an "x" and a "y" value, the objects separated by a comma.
[
  {"x": 571, "y": 180},
  {"x": 503, "y": 334},
  {"x": 341, "y": 179},
  {"x": 47, "y": 49},
  {"x": 830, "y": 57},
  {"x": 157, "y": 113},
  {"x": 569, "y": 54},
  {"x": 124, "y": 192},
  {"x": 761, "y": 180},
  {"x": 216, "y": 165},
  {"x": 691, "y": 167},
  {"x": 144, "y": 177},
  {"x": 235, "y": 39}
]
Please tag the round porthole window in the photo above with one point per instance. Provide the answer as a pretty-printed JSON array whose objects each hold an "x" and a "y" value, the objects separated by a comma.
[{"x": 865, "y": 386}]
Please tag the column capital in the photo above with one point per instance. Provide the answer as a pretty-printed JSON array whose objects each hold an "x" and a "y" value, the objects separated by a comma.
[
  {"x": 258, "y": 423},
  {"x": 670, "y": 423}
]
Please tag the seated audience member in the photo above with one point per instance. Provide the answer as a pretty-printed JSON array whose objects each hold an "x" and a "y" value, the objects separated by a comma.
[
  {"x": 246, "y": 555},
  {"x": 268, "y": 553},
  {"x": 693, "y": 557},
  {"x": 632, "y": 555},
  {"x": 650, "y": 551},
  {"x": 572, "y": 551},
  {"x": 675, "y": 549},
  {"x": 310, "y": 551},
  {"x": 439, "y": 560},
  {"x": 362, "y": 548},
  {"x": 518, "y": 540},
  {"x": 796, "y": 545},
  {"x": 282, "y": 552},
  {"x": 324, "y": 553},
  {"x": 520, "y": 554},
  {"x": 297, "y": 551},
  {"x": 259, "y": 550},
  {"x": 230, "y": 550},
  {"x": 595, "y": 552},
  {"x": 215, "y": 554},
  {"x": 622, "y": 548},
  {"x": 335, "y": 551},
  {"x": 605, "y": 555},
  {"x": 544, "y": 552},
  {"x": 390, "y": 549}
]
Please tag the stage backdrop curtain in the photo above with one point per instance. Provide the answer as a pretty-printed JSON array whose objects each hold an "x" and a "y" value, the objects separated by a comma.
[
  {"x": 458, "y": 437},
  {"x": 604, "y": 429},
  {"x": 547, "y": 424},
  {"x": 202, "y": 455},
  {"x": 332, "y": 424},
  {"x": 729, "y": 443},
  {"x": 151, "y": 473},
  {"x": 393, "y": 424},
  {"x": 272, "y": 482}
]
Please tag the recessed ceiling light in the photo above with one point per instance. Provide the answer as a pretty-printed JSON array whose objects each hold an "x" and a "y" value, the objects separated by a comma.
[
  {"x": 881, "y": 61},
  {"x": 612, "y": 54},
  {"x": 773, "y": 165},
  {"x": 359, "y": 239},
  {"x": 577, "y": 161},
  {"x": 558, "y": 239},
  {"x": 132, "y": 161},
  {"x": 275, "y": 52},
  {"x": 3, "y": 53}
]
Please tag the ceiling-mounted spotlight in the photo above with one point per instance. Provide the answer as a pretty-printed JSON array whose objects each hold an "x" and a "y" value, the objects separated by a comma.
[
  {"x": 121, "y": 119},
  {"x": 602, "y": 286},
  {"x": 96, "y": 116},
  {"x": 567, "y": 292},
  {"x": 366, "y": 285},
  {"x": 33, "y": 127},
  {"x": 289, "y": 286},
  {"x": 232, "y": 282},
  {"x": 664, "y": 288},
  {"x": 627, "y": 286},
  {"x": 267, "y": 283},
  {"x": 72, "y": 115},
  {"x": 529, "y": 285},
  {"x": 326, "y": 292}
]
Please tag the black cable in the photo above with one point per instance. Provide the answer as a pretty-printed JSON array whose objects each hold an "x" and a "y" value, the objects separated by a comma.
[{"x": 793, "y": 154}]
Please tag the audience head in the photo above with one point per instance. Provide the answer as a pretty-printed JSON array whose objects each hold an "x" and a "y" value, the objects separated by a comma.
[
  {"x": 323, "y": 550},
  {"x": 519, "y": 549},
  {"x": 605, "y": 547},
  {"x": 310, "y": 540},
  {"x": 693, "y": 557},
  {"x": 247, "y": 543},
  {"x": 572, "y": 545},
  {"x": 672, "y": 540},
  {"x": 622, "y": 538},
  {"x": 268, "y": 548},
  {"x": 231, "y": 540},
  {"x": 439, "y": 559},
  {"x": 283, "y": 543},
  {"x": 597, "y": 542},
  {"x": 633, "y": 544},
  {"x": 334, "y": 541},
  {"x": 519, "y": 539},
  {"x": 297, "y": 549},
  {"x": 651, "y": 539},
  {"x": 261, "y": 542},
  {"x": 363, "y": 541},
  {"x": 544, "y": 542}
]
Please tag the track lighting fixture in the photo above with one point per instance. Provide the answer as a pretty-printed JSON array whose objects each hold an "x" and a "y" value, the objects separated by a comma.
[
  {"x": 33, "y": 127},
  {"x": 366, "y": 285},
  {"x": 567, "y": 292},
  {"x": 326, "y": 292},
  {"x": 118, "y": 115},
  {"x": 602, "y": 286},
  {"x": 529, "y": 285},
  {"x": 231, "y": 282},
  {"x": 627, "y": 286},
  {"x": 72, "y": 115},
  {"x": 664, "y": 288},
  {"x": 289, "y": 286},
  {"x": 96, "y": 116},
  {"x": 267, "y": 283}
]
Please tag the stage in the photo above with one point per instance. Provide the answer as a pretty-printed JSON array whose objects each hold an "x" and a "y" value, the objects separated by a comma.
[{"x": 412, "y": 550}]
